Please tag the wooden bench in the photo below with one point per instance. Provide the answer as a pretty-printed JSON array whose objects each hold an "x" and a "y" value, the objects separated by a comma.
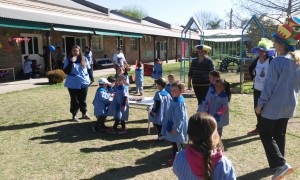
[{"x": 103, "y": 62}]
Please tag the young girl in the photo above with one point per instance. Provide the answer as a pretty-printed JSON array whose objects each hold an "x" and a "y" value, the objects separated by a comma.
[
  {"x": 161, "y": 107},
  {"x": 121, "y": 72},
  {"x": 121, "y": 106},
  {"x": 203, "y": 158},
  {"x": 213, "y": 76},
  {"x": 171, "y": 79},
  {"x": 216, "y": 104},
  {"x": 139, "y": 78},
  {"x": 157, "y": 69}
]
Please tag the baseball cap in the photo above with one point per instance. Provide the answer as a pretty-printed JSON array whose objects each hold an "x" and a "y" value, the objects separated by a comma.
[{"x": 104, "y": 81}]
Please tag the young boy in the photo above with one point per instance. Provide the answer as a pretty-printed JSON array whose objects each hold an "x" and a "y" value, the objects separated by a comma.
[
  {"x": 161, "y": 106},
  {"x": 176, "y": 129},
  {"x": 101, "y": 103},
  {"x": 27, "y": 67},
  {"x": 171, "y": 79}
]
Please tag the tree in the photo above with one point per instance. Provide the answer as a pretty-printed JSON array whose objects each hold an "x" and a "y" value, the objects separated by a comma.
[
  {"x": 134, "y": 11},
  {"x": 273, "y": 9},
  {"x": 205, "y": 18},
  {"x": 214, "y": 24}
]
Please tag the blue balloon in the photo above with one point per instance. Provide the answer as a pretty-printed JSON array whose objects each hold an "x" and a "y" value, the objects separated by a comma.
[{"x": 52, "y": 48}]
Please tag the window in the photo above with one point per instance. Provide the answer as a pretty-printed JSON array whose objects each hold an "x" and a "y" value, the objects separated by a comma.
[
  {"x": 119, "y": 45},
  {"x": 33, "y": 45},
  {"x": 81, "y": 41},
  {"x": 97, "y": 43},
  {"x": 133, "y": 45}
]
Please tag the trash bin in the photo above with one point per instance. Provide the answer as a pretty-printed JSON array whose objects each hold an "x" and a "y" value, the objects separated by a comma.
[{"x": 148, "y": 69}]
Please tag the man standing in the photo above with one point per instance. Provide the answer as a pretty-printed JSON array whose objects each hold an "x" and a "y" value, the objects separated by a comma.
[{"x": 119, "y": 59}]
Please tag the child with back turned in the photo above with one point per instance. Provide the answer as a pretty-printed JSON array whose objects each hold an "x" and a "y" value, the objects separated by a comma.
[
  {"x": 203, "y": 158},
  {"x": 157, "y": 69},
  {"x": 101, "y": 103},
  {"x": 171, "y": 79},
  {"x": 139, "y": 78},
  {"x": 160, "y": 107},
  {"x": 177, "y": 120},
  {"x": 121, "y": 106},
  {"x": 216, "y": 104}
]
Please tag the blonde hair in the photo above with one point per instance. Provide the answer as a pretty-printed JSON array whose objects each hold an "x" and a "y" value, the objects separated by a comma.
[{"x": 296, "y": 56}]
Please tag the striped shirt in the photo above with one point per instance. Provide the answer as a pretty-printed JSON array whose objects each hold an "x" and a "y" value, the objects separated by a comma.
[{"x": 199, "y": 71}]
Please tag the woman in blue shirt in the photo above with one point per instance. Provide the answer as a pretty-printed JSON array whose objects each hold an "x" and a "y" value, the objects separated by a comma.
[{"x": 78, "y": 79}]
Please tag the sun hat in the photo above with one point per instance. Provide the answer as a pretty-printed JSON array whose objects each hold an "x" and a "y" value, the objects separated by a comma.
[
  {"x": 202, "y": 47},
  {"x": 288, "y": 34},
  {"x": 265, "y": 45},
  {"x": 161, "y": 81},
  {"x": 103, "y": 81}
]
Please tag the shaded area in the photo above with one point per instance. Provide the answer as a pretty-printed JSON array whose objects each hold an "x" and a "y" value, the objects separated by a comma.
[
  {"x": 77, "y": 132},
  {"x": 259, "y": 174},
  {"x": 153, "y": 162},
  {"x": 236, "y": 141},
  {"x": 31, "y": 125},
  {"x": 137, "y": 144}
]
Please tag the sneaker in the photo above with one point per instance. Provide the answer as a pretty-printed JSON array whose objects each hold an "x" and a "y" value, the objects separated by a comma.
[
  {"x": 171, "y": 161},
  {"x": 85, "y": 116},
  {"x": 253, "y": 132},
  {"x": 95, "y": 129},
  {"x": 282, "y": 172},
  {"x": 75, "y": 118},
  {"x": 160, "y": 138},
  {"x": 122, "y": 131},
  {"x": 111, "y": 131}
]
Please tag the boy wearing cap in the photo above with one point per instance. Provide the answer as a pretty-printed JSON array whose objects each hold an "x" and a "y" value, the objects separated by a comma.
[
  {"x": 160, "y": 107},
  {"x": 101, "y": 103}
]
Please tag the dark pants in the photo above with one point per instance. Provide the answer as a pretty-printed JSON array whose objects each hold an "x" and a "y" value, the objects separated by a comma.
[
  {"x": 272, "y": 135},
  {"x": 200, "y": 92},
  {"x": 176, "y": 147},
  {"x": 256, "y": 95},
  {"x": 117, "y": 123},
  {"x": 78, "y": 100},
  {"x": 158, "y": 128},
  {"x": 100, "y": 121}
]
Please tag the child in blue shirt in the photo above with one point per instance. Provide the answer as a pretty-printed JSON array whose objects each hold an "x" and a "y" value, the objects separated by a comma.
[
  {"x": 203, "y": 158},
  {"x": 176, "y": 129},
  {"x": 101, "y": 103},
  {"x": 121, "y": 106},
  {"x": 171, "y": 79},
  {"x": 139, "y": 78},
  {"x": 160, "y": 108},
  {"x": 216, "y": 104},
  {"x": 157, "y": 69}
]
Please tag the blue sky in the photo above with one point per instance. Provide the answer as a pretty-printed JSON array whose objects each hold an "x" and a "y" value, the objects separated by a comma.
[{"x": 172, "y": 11}]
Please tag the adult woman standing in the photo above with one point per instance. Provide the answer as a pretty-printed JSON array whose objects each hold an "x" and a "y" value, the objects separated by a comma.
[
  {"x": 258, "y": 71},
  {"x": 279, "y": 97},
  {"x": 199, "y": 72},
  {"x": 78, "y": 72}
]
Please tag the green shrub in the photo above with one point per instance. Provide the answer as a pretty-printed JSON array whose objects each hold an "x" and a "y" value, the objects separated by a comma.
[{"x": 56, "y": 76}]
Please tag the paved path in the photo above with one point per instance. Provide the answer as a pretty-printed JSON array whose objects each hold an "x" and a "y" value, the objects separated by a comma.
[{"x": 38, "y": 82}]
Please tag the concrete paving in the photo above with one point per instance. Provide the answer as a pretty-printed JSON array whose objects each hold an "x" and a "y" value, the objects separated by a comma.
[{"x": 38, "y": 82}]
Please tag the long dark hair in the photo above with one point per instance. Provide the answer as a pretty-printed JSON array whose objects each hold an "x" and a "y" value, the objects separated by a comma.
[
  {"x": 80, "y": 56},
  {"x": 202, "y": 132}
]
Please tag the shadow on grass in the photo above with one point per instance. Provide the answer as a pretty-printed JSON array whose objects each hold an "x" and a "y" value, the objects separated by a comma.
[
  {"x": 31, "y": 125},
  {"x": 153, "y": 162},
  {"x": 42, "y": 83},
  {"x": 259, "y": 174},
  {"x": 236, "y": 141},
  {"x": 77, "y": 132},
  {"x": 137, "y": 144}
]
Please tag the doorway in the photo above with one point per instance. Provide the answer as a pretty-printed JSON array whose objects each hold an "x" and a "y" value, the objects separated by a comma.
[{"x": 31, "y": 46}]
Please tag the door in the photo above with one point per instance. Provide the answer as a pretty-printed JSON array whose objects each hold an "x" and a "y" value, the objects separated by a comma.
[
  {"x": 163, "y": 50},
  {"x": 72, "y": 41},
  {"x": 31, "y": 46}
]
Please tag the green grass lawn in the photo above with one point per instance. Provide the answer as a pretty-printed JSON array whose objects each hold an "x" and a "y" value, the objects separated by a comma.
[{"x": 38, "y": 140}]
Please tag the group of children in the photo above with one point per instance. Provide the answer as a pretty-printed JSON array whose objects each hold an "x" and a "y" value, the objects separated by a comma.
[{"x": 168, "y": 113}]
